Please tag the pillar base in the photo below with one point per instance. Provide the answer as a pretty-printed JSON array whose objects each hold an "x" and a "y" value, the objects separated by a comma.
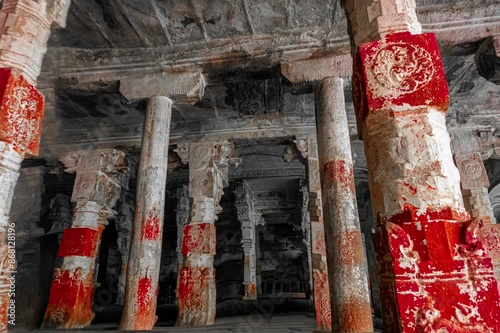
[
  {"x": 70, "y": 301},
  {"x": 196, "y": 297},
  {"x": 438, "y": 278}
]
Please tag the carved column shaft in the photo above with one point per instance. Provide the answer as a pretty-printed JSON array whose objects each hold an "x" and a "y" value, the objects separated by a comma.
[
  {"x": 247, "y": 218},
  {"x": 139, "y": 312},
  {"x": 350, "y": 300},
  {"x": 466, "y": 145},
  {"x": 98, "y": 183},
  {"x": 207, "y": 177},
  {"x": 181, "y": 217},
  {"x": 25, "y": 28},
  {"x": 424, "y": 248},
  {"x": 319, "y": 266}
]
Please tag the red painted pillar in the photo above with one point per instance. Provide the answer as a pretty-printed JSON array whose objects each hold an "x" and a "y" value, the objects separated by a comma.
[
  {"x": 434, "y": 273},
  {"x": 25, "y": 28},
  {"x": 139, "y": 312},
  {"x": 100, "y": 177},
  {"x": 348, "y": 274},
  {"x": 208, "y": 175}
]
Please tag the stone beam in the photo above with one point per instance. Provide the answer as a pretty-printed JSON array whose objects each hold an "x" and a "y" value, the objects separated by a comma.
[
  {"x": 315, "y": 69},
  {"x": 182, "y": 88}
]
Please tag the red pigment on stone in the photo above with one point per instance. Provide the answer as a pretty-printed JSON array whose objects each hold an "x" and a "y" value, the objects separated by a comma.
[
  {"x": 71, "y": 295},
  {"x": 412, "y": 189},
  {"x": 411, "y": 214},
  {"x": 79, "y": 242},
  {"x": 145, "y": 313},
  {"x": 337, "y": 170},
  {"x": 20, "y": 99},
  {"x": 433, "y": 93},
  {"x": 151, "y": 227}
]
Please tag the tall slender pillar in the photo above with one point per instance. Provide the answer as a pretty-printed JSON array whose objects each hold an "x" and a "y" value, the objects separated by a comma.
[
  {"x": 123, "y": 224},
  {"x": 139, "y": 312},
  {"x": 246, "y": 216},
  {"x": 25, "y": 28},
  {"x": 100, "y": 176},
  {"x": 208, "y": 175},
  {"x": 351, "y": 309},
  {"x": 434, "y": 273},
  {"x": 181, "y": 219}
]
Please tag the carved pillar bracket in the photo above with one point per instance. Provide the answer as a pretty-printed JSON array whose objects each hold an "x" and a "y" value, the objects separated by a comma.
[
  {"x": 161, "y": 89},
  {"x": 425, "y": 243},
  {"x": 100, "y": 176},
  {"x": 208, "y": 175},
  {"x": 244, "y": 203}
]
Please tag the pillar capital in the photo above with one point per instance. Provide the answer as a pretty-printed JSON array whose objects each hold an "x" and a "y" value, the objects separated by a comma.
[
  {"x": 317, "y": 69},
  {"x": 181, "y": 87},
  {"x": 25, "y": 27}
]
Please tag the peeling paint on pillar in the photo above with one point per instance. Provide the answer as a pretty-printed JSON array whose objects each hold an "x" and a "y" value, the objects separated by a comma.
[
  {"x": 434, "y": 273},
  {"x": 348, "y": 274},
  {"x": 144, "y": 264}
]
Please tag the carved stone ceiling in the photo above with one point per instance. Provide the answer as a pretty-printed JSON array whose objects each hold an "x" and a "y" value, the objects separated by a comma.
[{"x": 238, "y": 45}]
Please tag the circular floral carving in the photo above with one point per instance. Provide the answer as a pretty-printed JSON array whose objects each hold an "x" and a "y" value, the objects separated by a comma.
[
  {"x": 471, "y": 168},
  {"x": 402, "y": 67},
  {"x": 195, "y": 237}
]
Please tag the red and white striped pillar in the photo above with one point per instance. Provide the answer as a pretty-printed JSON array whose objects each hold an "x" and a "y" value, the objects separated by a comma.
[
  {"x": 208, "y": 175},
  {"x": 101, "y": 174},
  {"x": 348, "y": 274},
  {"x": 141, "y": 291},
  {"x": 434, "y": 273}
]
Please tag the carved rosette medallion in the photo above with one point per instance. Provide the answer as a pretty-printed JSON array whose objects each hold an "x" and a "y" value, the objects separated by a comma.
[{"x": 399, "y": 68}]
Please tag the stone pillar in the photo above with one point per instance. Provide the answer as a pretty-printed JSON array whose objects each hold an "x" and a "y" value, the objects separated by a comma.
[
  {"x": 348, "y": 274},
  {"x": 25, "y": 28},
  {"x": 181, "y": 219},
  {"x": 246, "y": 216},
  {"x": 305, "y": 225},
  {"x": 208, "y": 175},
  {"x": 307, "y": 146},
  {"x": 139, "y": 312},
  {"x": 100, "y": 175},
  {"x": 433, "y": 270},
  {"x": 123, "y": 223},
  {"x": 466, "y": 147}
]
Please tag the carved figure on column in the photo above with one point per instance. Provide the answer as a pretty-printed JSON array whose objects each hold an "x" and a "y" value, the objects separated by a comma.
[
  {"x": 425, "y": 240},
  {"x": 100, "y": 176},
  {"x": 208, "y": 175}
]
